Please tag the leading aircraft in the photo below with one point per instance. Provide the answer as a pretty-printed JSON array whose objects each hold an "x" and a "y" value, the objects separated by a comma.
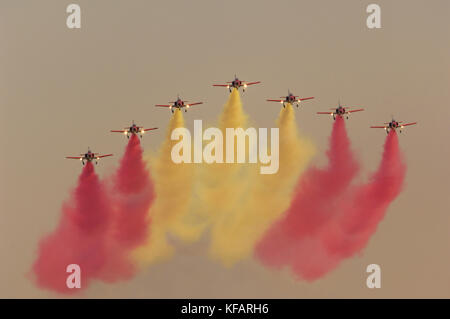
[
  {"x": 341, "y": 111},
  {"x": 236, "y": 83},
  {"x": 134, "y": 129},
  {"x": 291, "y": 99},
  {"x": 178, "y": 104},
  {"x": 394, "y": 125},
  {"x": 88, "y": 157}
]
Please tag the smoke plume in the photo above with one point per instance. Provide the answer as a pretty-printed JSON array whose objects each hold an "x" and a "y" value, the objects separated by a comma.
[
  {"x": 173, "y": 188},
  {"x": 329, "y": 218},
  {"x": 79, "y": 237}
]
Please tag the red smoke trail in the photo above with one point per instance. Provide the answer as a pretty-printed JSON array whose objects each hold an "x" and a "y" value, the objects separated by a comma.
[
  {"x": 366, "y": 205},
  {"x": 350, "y": 218},
  {"x": 135, "y": 193},
  {"x": 132, "y": 195},
  {"x": 98, "y": 229},
  {"x": 291, "y": 240},
  {"x": 79, "y": 238}
]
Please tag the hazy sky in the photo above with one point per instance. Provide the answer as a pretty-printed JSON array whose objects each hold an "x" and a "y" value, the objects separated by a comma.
[{"x": 62, "y": 90}]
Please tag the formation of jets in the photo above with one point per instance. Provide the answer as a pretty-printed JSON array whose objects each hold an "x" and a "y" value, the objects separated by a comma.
[
  {"x": 339, "y": 111},
  {"x": 90, "y": 156}
]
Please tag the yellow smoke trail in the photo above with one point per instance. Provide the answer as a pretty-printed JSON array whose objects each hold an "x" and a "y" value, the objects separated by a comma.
[
  {"x": 237, "y": 202},
  {"x": 221, "y": 186},
  {"x": 173, "y": 188},
  {"x": 235, "y": 233},
  {"x": 217, "y": 187}
]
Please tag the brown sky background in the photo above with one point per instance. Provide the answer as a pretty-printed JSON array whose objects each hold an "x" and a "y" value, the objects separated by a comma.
[{"x": 62, "y": 90}]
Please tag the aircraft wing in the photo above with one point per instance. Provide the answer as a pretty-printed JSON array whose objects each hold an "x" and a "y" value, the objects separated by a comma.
[
  {"x": 328, "y": 113},
  {"x": 306, "y": 98},
  {"x": 279, "y": 101},
  {"x": 351, "y": 111},
  {"x": 407, "y": 124},
  {"x": 197, "y": 103},
  {"x": 150, "y": 129},
  {"x": 378, "y": 127},
  {"x": 74, "y": 157},
  {"x": 105, "y": 155},
  {"x": 163, "y": 105},
  {"x": 224, "y": 85},
  {"x": 122, "y": 131},
  {"x": 251, "y": 83}
]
